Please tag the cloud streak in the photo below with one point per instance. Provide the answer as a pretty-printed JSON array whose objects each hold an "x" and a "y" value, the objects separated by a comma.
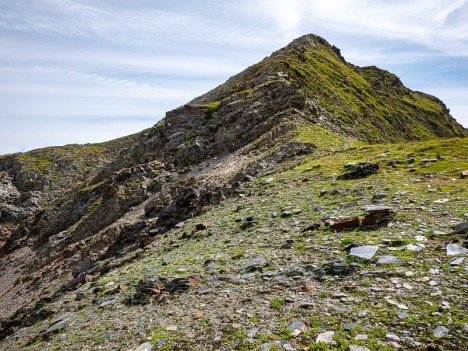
[{"x": 69, "y": 62}]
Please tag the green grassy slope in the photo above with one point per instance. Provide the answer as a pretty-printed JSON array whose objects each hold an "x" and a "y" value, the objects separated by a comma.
[{"x": 231, "y": 303}]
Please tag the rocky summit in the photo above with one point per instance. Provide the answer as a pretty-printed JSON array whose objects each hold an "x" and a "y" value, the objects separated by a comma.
[{"x": 305, "y": 204}]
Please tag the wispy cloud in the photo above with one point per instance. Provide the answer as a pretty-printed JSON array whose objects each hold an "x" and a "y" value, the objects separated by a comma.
[
  {"x": 82, "y": 60},
  {"x": 437, "y": 24}
]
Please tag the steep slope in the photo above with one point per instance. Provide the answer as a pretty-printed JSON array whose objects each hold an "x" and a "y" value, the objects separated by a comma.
[
  {"x": 365, "y": 103},
  {"x": 271, "y": 268},
  {"x": 93, "y": 214}
]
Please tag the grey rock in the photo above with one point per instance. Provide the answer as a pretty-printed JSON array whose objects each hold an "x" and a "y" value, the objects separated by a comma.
[
  {"x": 326, "y": 337},
  {"x": 366, "y": 251},
  {"x": 458, "y": 261},
  {"x": 440, "y": 331},
  {"x": 257, "y": 262},
  {"x": 145, "y": 347},
  {"x": 402, "y": 314},
  {"x": 297, "y": 328},
  {"x": 108, "y": 302},
  {"x": 267, "y": 346},
  {"x": 248, "y": 276},
  {"x": 413, "y": 247},
  {"x": 252, "y": 332},
  {"x": 378, "y": 208},
  {"x": 349, "y": 326},
  {"x": 357, "y": 348},
  {"x": 454, "y": 249},
  {"x": 161, "y": 342},
  {"x": 378, "y": 196},
  {"x": 66, "y": 316},
  {"x": 57, "y": 327},
  {"x": 206, "y": 291},
  {"x": 286, "y": 345},
  {"x": 245, "y": 341},
  {"x": 392, "y": 337},
  {"x": 362, "y": 313},
  {"x": 342, "y": 308},
  {"x": 389, "y": 259}
]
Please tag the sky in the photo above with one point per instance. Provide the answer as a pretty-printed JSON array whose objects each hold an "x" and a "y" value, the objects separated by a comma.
[{"x": 84, "y": 71}]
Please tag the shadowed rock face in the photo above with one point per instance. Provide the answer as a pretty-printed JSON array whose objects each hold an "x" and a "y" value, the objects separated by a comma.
[{"x": 69, "y": 213}]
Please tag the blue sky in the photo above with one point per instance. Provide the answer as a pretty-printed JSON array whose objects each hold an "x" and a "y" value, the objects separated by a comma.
[{"x": 92, "y": 70}]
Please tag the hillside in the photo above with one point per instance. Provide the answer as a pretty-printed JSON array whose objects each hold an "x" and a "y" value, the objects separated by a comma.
[{"x": 149, "y": 237}]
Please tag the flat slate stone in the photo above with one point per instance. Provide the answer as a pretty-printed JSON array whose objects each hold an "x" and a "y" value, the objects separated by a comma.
[
  {"x": 65, "y": 316},
  {"x": 392, "y": 336},
  {"x": 458, "y": 261},
  {"x": 145, "y": 347},
  {"x": 256, "y": 262},
  {"x": 107, "y": 303},
  {"x": 389, "y": 259},
  {"x": 412, "y": 247},
  {"x": 57, "y": 327},
  {"x": 297, "y": 325},
  {"x": 454, "y": 249},
  {"x": 377, "y": 208},
  {"x": 326, "y": 337},
  {"x": 357, "y": 348},
  {"x": 366, "y": 251}
]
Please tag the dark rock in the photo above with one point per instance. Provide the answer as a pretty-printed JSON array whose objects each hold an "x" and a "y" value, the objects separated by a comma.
[
  {"x": 340, "y": 269},
  {"x": 461, "y": 228},
  {"x": 248, "y": 178},
  {"x": 287, "y": 244},
  {"x": 255, "y": 264},
  {"x": 377, "y": 216},
  {"x": 349, "y": 326},
  {"x": 378, "y": 196},
  {"x": 357, "y": 170},
  {"x": 206, "y": 291},
  {"x": 313, "y": 226},
  {"x": 199, "y": 227},
  {"x": 159, "y": 289},
  {"x": 345, "y": 223},
  {"x": 248, "y": 222},
  {"x": 331, "y": 192}
]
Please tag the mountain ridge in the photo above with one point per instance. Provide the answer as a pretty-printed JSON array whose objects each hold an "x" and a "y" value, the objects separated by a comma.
[{"x": 304, "y": 99}]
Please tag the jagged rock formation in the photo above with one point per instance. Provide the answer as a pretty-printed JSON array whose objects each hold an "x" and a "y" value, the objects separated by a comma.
[{"x": 70, "y": 213}]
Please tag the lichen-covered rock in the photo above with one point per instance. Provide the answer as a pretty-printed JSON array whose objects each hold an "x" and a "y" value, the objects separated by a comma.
[{"x": 356, "y": 170}]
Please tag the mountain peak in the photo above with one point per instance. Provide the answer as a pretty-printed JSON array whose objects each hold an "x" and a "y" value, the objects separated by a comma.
[{"x": 69, "y": 214}]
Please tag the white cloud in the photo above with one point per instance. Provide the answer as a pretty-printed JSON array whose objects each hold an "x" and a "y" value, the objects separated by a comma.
[
  {"x": 425, "y": 22},
  {"x": 83, "y": 59}
]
